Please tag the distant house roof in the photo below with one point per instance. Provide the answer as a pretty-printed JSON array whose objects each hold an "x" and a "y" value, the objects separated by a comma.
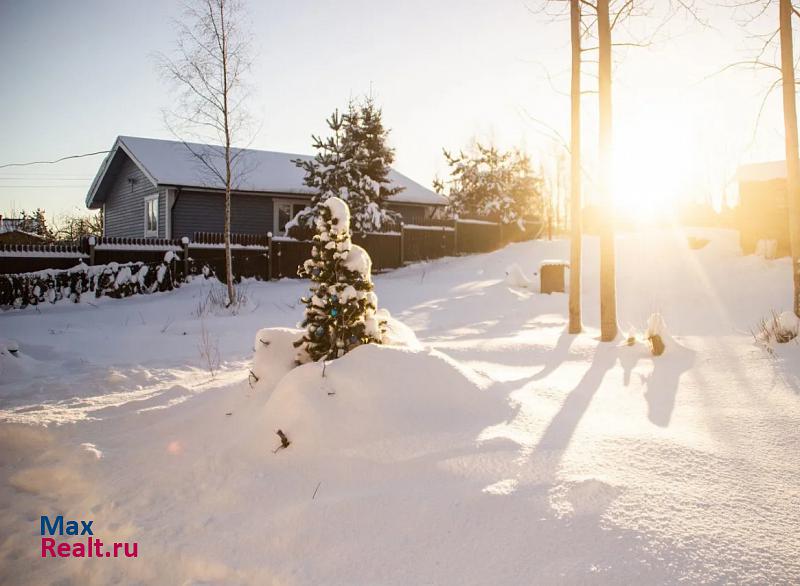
[
  {"x": 168, "y": 162},
  {"x": 9, "y": 224},
  {"x": 762, "y": 171},
  {"x": 13, "y": 225}
]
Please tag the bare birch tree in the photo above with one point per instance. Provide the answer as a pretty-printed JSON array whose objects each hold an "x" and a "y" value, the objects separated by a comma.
[
  {"x": 608, "y": 284},
  {"x": 212, "y": 58},
  {"x": 792, "y": 158},
  {"x": 575, "y": 323}
]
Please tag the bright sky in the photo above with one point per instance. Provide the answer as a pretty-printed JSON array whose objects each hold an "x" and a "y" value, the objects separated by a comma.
[{"x": 77, "y": 74}]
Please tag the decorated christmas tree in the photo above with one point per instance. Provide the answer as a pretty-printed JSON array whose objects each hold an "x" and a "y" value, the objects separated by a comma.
[{"x": 341, "y": 307}]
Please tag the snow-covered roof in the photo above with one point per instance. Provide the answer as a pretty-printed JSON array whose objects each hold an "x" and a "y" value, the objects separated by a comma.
[
  {"x": 12, "y": 225},
  {"x": 762, "y": 171},
  {"x": 169, "y": 162},
  {"x": 9, "y": 224}
]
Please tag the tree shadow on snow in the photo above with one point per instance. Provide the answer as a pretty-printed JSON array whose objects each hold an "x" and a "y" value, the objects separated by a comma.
[
  {"x": 557, "y": 356},
  {"x": 662, "y": 383},
  {"x": 556, "y": 437}
]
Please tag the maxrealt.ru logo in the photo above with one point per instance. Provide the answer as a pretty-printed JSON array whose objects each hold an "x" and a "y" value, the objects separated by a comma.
[{"x": 88, "y": 547}]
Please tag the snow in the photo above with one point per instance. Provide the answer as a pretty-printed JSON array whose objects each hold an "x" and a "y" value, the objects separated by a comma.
[
  {"x": 359, "y": 260},
  {"x": 788, "y": 321},
  {"x": 515, "y": 277},
  {"x": 143, "y": 246},
  {"x": 481, "y": 444},
  {"x": 656, "y": 326},
  {"x": 434, "y": 228},
  {"x": 550, "y": 262},
  {"x": 170, "y": 162},
  {"x": 340, "y": 212}
]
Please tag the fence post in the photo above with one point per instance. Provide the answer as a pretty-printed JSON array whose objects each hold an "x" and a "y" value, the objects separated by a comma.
[
  {"x": 269, "y": 256},
  {"x": 185, "y": 244},
  {"x": 455, "y": 237},
  {"x": 402, "y": 243},
  {"x": 92, "y": 242}
]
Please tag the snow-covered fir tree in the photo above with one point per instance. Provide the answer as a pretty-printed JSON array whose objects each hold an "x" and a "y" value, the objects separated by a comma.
[
  {"x": 353, "y": 164},
  {"x": 490, "y": 182},
  {"x": 341, "y": 307}
]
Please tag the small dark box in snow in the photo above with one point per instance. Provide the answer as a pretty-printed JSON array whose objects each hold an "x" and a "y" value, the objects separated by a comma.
[{"x": 552, "y": 276}]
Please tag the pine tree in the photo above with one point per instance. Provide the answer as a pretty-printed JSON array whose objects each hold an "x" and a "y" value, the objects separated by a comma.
[
  {"x": 352, "y": 164},
  {"x": 35, "y": 223},
  {"x": 326, "y": 174},
  {"x": 370, "y": 162},
  {"x": 489, "y": 182},
  {"x": 341, "y": 307}
]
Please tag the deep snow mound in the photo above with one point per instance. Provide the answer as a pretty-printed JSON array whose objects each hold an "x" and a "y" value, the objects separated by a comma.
[
  {"x": 274, "y": 353},
  {"x": 376, "y": 394}
]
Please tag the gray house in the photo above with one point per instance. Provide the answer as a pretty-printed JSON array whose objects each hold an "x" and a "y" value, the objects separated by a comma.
[{"x": 161, "y": 188}]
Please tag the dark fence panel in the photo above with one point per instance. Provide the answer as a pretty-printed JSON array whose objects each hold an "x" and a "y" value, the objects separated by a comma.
[
  {"x": 260, "y": 256},
  {"x": 287, "y": 255},
  {"x": 421, "y": 243},
  {"x": 242, "y": 239},
  {"x": 25, "y": 258},
  {"x": 28, "y": 264},
  {"x": 478, "y": 236},
  {"x": 384, "y": 250},
  {"x": 247, "y": 261},
  {"x": 104, "y": 250}
]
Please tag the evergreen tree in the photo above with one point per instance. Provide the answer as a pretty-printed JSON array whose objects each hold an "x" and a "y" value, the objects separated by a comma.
[
  {"x": 341, "y": 307},
  {"x": 370, "y": 162},
  {"x": 352, "y": 164},
  {"x": 35, "y": 223},
  {"x": 490, "y": 182}
]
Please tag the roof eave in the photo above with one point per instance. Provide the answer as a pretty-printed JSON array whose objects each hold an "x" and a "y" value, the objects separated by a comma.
[{"x": 101, "y": 173}]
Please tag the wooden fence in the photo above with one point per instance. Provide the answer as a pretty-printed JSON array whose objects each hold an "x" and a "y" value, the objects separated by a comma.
[{"x": 264, "y": 257}]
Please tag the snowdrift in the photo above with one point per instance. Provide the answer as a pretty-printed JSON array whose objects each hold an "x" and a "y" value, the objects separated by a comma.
[{"x": 375, "y": 393}]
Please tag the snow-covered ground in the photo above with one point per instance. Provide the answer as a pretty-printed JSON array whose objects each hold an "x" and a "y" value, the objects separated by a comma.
[{"x": 497, "y": 450}]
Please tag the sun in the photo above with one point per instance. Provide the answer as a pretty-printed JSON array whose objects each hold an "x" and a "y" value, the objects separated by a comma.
[{"x": 654, "y": 166}]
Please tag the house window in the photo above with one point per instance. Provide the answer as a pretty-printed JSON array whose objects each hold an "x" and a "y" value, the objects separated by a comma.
[
  {"x": 151, "y": 215},
  {"x": 285, "y": 210}
]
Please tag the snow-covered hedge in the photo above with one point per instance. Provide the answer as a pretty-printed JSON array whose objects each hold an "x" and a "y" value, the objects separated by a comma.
[{"x": 110, "y": 280}]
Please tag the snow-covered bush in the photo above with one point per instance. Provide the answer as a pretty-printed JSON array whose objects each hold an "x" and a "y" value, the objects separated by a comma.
[
  {"x": 109, "y": 280},
  {"x": 341, "y": 307},
  {"x": 777, "y": 328},
  {"x": 352, "y": 164}
]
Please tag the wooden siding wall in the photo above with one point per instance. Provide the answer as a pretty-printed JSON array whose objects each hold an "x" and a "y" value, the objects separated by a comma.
[
  {"x": 125, "y": 202},
  {"x": 198, "y": 211},
  {"x": 411, "y": 213}
]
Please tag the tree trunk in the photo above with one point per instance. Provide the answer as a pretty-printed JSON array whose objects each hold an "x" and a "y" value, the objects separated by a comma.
[
  {"x": 575, "y": 325},
  {"x": 226, "y": 124},
  {"x": 608, "y": 301},
  {"x": 792, "y": 160}
]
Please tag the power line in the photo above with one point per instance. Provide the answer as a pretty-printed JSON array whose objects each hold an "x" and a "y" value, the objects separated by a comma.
[
  {"x": 51, "y": 186},
  {"x": 44, "y": 178},
  {"x": 55, "y": 161}
]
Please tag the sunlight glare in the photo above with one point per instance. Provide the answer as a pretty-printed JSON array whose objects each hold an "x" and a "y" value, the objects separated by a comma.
[{"x": 654, "y": 165}]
